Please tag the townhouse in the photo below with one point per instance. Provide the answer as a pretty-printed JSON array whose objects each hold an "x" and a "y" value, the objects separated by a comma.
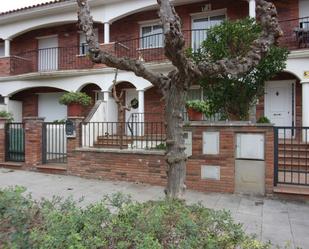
[{"x": 43, "y": 55}]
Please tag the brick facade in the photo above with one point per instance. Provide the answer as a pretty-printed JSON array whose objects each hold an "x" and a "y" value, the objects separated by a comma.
[
  {"x": 150, "y": 167},
  {"x": 33, "y": 141},
  {"x": 2, "y": 139},
  {"x": 5, "y": 66}
]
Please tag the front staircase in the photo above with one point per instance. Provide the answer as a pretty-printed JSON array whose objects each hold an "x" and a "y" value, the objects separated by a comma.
[{"x": 292, "y": 161}]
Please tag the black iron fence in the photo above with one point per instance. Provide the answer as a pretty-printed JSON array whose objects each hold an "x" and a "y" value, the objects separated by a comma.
[
  {"x": 15, "y": 142},
  {"x": 54, "y": 143},
  {"x": 151, "y": 48},
  {"x": 51, "y": 59},
  {"x": 291, "y": 155},
  {"x": 124, "y": 135}
]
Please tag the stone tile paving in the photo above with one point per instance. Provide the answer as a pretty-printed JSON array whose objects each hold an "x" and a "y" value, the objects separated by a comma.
[{"x": 282, "y": 222}]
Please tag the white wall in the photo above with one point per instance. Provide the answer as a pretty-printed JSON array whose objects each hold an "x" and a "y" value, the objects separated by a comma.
[
  {"x": 1, "y": 49},
  {"x": 16, "y": 108},
  {"x": 303, "y": 8},
  {"x": 112, "y": 110},
  {"x": 2, "y": 107},
  {"x": 50, "y": 108}
]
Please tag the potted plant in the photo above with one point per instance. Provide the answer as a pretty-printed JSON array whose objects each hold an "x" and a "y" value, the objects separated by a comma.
[
  {"x": 76, "y": 101},
  {"x": 263, "y": 120},
  {"x": 196, "y": 109},
  {"x": 7, "y": 115}
]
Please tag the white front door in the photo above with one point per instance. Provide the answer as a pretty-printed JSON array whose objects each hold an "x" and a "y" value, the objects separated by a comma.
[
  {"x": 279, "y": 100},
  {"x": 130, "y": 95},
  {"x": 48, "y": 54}
]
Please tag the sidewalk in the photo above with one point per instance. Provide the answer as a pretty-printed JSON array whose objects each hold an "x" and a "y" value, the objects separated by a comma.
[{"x": 278, "y": 221}]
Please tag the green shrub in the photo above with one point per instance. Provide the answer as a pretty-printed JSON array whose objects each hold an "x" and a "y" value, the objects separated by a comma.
[
  {"x": 5, "y": 114},
  {"x": 75, "y": 97},
  {"x": 25, "y": 223},
  {"x": 263, "y": 120}
]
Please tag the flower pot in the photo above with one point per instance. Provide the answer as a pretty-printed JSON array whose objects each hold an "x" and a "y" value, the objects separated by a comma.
[
  {"x": 194, "y": 115},
  {"x": 75, "y": 110}
]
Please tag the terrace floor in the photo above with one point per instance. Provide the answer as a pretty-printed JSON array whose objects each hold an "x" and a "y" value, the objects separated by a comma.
[{"x": 282, "y": 222}]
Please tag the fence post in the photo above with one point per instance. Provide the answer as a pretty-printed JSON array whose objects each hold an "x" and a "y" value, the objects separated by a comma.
[
  {"x": 74, "y": 142},
  {"x": 3, "y": 121},
  {"x": 33, "y": 141},
  {"x": 276, "y": 144}
]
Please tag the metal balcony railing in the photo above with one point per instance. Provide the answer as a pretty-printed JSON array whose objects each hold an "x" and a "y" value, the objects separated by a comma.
[
  {"x": 295, "y": 33},
  {"x": 50, "y": 59},
  {"x": 148, "y": 48}
]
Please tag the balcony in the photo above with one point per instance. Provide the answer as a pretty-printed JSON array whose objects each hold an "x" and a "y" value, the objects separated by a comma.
[
  {"x": 296, "y": 33},
  {"x": 148, "y": 49}
]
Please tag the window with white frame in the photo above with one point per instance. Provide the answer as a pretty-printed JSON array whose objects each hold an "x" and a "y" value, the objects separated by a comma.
[
  {"x": 83, "y": 46},
  {"x": 200, "y": 24},
  {"x": 151, "y": 36},
  {"x": 1, "y": 49}
]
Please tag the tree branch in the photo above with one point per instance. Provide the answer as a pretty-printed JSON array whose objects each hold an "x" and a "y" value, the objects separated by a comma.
[
  {"x": 99, "y": 56},
  {"x": 271, "y": 31},
  {"x": 174, "y": 41}
]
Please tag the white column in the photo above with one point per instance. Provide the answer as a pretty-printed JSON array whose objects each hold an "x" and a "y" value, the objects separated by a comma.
[
  {"x": 106, "y": 95},
  {"x": 141, "y": 110},
  {"x": 141, "y": 103},
  {"x": 106, "y": 32},
  {"x": 252, "y": 8},
  {"x": 6, "y": 102},
  {"x": 305, "y": 107},
  {"x": 7, "y": 48}
]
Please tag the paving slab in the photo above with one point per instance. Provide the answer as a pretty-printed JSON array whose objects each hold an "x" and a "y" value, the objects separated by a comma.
[{"x": 281, "y": 221}]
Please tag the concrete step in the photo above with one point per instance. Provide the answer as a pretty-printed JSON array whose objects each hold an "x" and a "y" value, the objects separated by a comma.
[
  {"x": 110, "y": 146},
  {"x": 290, "y": 189},
  {"x": 11, "y": 165},
  {"x": 52, "y": 168}
]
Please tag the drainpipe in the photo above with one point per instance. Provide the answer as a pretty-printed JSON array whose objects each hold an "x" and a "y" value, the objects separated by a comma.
[{"x": 305, "y": 107}]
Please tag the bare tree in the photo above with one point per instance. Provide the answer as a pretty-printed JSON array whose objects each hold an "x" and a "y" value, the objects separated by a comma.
[{"x": 175, "y": 84}]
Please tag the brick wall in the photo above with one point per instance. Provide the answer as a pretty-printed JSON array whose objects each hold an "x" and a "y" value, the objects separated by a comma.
[
  {"x": 129, "y": 27},
  {"x": 147, "y": 167},
  {"x": 226, "y": 157},
  {"x": 2, "y": 139},
  {"x": 124, "y": 29},
  {"x": 33, "y": 141},
  {"x": 5, "y": 66}
]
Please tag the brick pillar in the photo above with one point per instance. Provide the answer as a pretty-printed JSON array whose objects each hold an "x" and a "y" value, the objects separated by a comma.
[
  {"x": 74, "y": 142},
  {"x": 2, "y": 139},
  {"x": 269, "y": 160},
  {"x": 33, "y": 141}
]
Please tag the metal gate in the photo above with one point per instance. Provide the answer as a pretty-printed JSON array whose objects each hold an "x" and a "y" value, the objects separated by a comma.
[
  {"x": 14, "y": 142},
  {"x": 291, "y": 155},
  {"x": 54, "y": 143}
]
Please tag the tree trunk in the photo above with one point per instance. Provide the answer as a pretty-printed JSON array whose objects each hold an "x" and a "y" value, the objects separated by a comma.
[{"x": 176, "y": 157}]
